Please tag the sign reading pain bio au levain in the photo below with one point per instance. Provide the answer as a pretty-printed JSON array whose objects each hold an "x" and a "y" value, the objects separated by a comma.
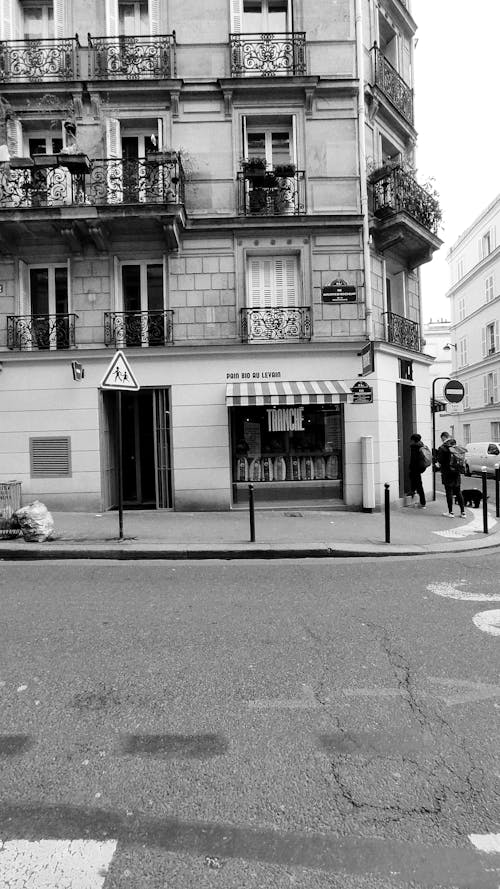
[{"x": 119, "y": 375}]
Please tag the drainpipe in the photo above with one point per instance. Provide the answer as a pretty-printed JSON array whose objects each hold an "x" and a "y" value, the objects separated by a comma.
[{"x": 362, "y": 167}]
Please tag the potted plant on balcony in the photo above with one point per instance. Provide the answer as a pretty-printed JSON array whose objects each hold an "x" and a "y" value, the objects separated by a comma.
[
  {"x": 285, "y": 171},
  {"x": 74, "y": 161},
  {"x": 255, "y": 170},
  {"x": 42, "y": 161}
]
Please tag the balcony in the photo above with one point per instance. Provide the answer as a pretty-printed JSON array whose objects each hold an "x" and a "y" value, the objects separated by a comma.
[
  {"x": 107, "y": 182},
  {"x": 267, "y": 55},
  {"x": 41, "y": 60},
  {"x": 402, "y": 331},
  {"x": 392, "y": 85},
  {"x": 278, "y": 192},
  {"x": 28, "y": 333},
  {"x": 153, "y": 328},
  {"x": 275, "y": 324},
  {"x": 406, "y": 217},
  {"x": 132, "y": 58}
]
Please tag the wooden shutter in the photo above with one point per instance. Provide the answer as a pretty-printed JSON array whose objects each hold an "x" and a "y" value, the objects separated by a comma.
[
  {"x": 272, "y": 281},
  {"x": 59, "y": 19},
  {"x": 154, "y": 16},
  {"x": 285, "y": 277},
  {"x": 236, "y": 16},
  {"x": 255, "y": 282},
  {"x": 111, "y": 18}
]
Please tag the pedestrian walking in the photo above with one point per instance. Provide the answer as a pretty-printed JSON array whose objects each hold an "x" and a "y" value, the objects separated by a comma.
[
  {"x": 450, "y": 475},
  {"x": 418, "y": 465}
]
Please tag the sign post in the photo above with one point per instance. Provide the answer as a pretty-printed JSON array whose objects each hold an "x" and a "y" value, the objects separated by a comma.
[
  {"x": 119, "y": 377},
  {"x": 453, "y": 392}
]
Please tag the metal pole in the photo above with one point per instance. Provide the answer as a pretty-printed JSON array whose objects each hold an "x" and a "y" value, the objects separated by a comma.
[
  {"x": 387, "y": 511},
  {"x": 497, "y": 490},
  {"x": 433, "y": 409},
  {"x": 485, "y": 499},
  {"x": 252, "y": 513},
  {"x": 120, "y": 466}
]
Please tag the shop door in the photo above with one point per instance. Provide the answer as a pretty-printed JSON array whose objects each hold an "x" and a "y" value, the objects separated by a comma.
[
  {"x": 406, "y": 426},
  {"x": 147, "y": 473}
]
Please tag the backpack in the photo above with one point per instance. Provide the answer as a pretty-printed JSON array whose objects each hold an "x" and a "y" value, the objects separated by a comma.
[
  {"x": 457, "y": 459},
  {"x": 425, "y": 457}
]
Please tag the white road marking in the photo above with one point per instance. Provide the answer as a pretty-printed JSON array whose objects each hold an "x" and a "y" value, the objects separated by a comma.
[
  {"x": 451, "y": 591},
  {"x": 488, "y": 621},
  {"x": 471, "y": 691},
  {"x": 461, "y": 530},
  {"x": 486, "y": 842},
  {"x": 55, "y": 864}
]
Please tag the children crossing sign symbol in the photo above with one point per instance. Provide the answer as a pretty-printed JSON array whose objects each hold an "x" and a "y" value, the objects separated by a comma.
[{"x": 119, "y": 375}]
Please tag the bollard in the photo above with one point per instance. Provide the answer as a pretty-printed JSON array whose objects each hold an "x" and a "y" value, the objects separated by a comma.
[
  {"x": 252, "y": 513},
  {"x": 387, "y": 511},
  {"x": 485, "y": 499},
  {"x": 497, "y": 490}
]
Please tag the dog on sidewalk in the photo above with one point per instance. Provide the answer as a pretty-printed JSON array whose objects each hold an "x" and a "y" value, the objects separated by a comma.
[{"x": 472, "y": 497}]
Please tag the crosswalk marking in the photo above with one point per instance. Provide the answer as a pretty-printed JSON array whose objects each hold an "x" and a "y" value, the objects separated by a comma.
[
  {"x": 55, "y": 864},
  {"x": 486, "y": 842}
]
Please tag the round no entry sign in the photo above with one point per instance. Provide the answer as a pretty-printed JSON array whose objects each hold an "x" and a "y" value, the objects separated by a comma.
[{"x": 454, "y": 391}]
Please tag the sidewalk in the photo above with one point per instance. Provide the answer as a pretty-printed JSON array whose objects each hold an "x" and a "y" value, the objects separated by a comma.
[{"x": 280, "y": 533}]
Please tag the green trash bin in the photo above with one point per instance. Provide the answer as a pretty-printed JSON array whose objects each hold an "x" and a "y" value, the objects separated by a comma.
[{"x": 10, "y": 500}]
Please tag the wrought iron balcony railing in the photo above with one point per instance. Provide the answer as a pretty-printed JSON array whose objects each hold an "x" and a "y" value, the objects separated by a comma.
[
  {"x": 39, "y": 60},
  {"x": 109, "y": 181},
  {"x": 395, "y": 190},
  {"x": 268, "y": 194},
  {"x": 402, "y": 331},
  {"x": 29, "y": 333},
  {"x": 392, "y": 84},
  {"x": 276, "y": 323},
  {"x": 153, "y": 328},
  {"x": 132, "y": 58},
  {"x": 267, "y": 55}
]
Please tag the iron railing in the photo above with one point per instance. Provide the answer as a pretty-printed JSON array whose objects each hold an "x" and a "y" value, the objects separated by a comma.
[
  {"x": 402, "y": 331},
  {"x": 132, "y": 58},
  {"x": 267, "y": 55},
  {"x": 109, "y": 181},
  {"x": 392, "y": 84},
  {"x": 271, "y": 195},
  {"x": 276, "y": 323},
  {"x": 40, "y": 332},
  {"x": 396, "y": 191},
  {"x": 153, "y": 328},
  {"x": 39, "y": 60}
]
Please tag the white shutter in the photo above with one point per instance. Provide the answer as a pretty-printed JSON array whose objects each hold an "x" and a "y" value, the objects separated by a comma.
[
  {"x": 497, "y": 338},
  {"x": 111, "y": 18},
  {"x": 480, "y": 248},
  {"x": 23, "y": 298},
  {"x": 154, "y": 16},
  {"x": 293, "y": 151},
  {"x": 245, "y": 136},
  {"x": 485, "y": 388},
  {"x": 406, "y": 61},
  {"x": 15, "y": 137},
  {"x": 493, "y": 237},
  {"x": 280, "y": 282},
  {"x": 236, "y": 16},
  {"x": 285, "y": 275},
  {"x": 268, "y": 275},
  {"x": 255, "y": 285},
  {"x": 114, "y": 169},
  {"x": 68, "y": 286},
  {"x": 160, "y": 134},
  {"x": 10, "y": 20},
  {"x": 289, "y": 17},
  {"x": 495, "y": 386},
  {"x": 113, "y": 137},
  {"x": 59, "y": 7},
  {"x": 484, "y": 342},
  {"x": 116, "y": 288}
]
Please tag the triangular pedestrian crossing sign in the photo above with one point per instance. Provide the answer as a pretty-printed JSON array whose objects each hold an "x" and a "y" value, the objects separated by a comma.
[{"x": 119, "y": 375}]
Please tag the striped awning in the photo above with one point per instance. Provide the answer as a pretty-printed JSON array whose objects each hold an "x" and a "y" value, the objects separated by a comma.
[{"x": 307, "y": 392}]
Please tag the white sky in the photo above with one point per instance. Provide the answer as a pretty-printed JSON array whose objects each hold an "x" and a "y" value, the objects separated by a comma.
[{"x": 457, "y": 117}]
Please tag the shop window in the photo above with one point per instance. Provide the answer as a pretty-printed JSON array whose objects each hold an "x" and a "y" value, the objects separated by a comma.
[{"x": 290, "y": 447}]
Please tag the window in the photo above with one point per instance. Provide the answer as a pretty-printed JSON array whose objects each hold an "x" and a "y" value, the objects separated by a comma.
[
  {"x": 261, "y": 16},
  {"x": 490, "y": 339},
  {"x": 133, "y": 19},
  {"x": 272, "y": 281},
  {"x": 487, "y": 243},
  {"x": 269, "y": 138},
  {"x": 460, "y": 269},
  {"x": 47, "y": 294},
  {"x": 490, "y": 388},
  {"x": 466, "y": 434},
  {"x": 495, "y": 430},
  {"x": 461, "y": 308},
  {"x": 144, "y": 317},
  {"x": 462, "y": 352},
  {"x": 489, "y": 286},
  {"x": 38, "y": 21}
]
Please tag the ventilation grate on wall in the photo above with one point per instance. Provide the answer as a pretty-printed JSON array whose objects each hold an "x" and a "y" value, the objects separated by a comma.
[{"x": 50, "y": 457}]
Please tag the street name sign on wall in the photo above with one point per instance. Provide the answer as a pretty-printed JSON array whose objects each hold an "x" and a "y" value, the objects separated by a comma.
[
  {"x": 119, "y": 375},
  {"x": 362, "y": 393},
  {"x": 454, "y": 391}
]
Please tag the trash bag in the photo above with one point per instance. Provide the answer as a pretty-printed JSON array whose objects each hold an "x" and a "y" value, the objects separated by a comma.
[{"x": 35, "y": 521}]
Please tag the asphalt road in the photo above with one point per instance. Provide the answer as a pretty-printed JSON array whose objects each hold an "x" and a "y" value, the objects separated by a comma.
[{"x": 265, "y": 724}]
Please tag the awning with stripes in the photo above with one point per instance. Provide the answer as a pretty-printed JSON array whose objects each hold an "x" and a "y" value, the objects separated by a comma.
[{"x": 307, "y": 392}]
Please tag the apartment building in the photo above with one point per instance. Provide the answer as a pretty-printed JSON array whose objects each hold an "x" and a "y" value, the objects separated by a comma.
[
  {"x": 474, "y": 263},
  {"x": 225, "y": 193}
]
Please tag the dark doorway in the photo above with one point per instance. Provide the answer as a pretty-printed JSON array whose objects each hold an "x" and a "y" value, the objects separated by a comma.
[{"x": 406, "y": 426}]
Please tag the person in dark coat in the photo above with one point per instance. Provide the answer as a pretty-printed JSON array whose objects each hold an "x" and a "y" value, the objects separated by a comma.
[
  {"x": 450, "y": 477},
  {"x": 416, "y": 469}
]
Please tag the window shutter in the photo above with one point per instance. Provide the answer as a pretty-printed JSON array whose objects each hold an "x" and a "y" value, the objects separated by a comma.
[
  {"x": 484, "y": 342},
  {"x": 160, "y": 134},
  {"x": 480, "y": 248},
  {"x": 293, "y": 152},
  {"x": 406, "y": 61},
  {"x": 154, "y": 16},
  {"x": 280, "y": 279},
  {"x": 236, "y": 16},
  {"x": 10, "y": 19},
  {"x": 113, "y": 138},
  {"x": 466, "y": 396},
  {"x": 59, "y": 19},
  {"x": 291, "y": 281},
  {"x": 255, "y": 278},
  {"x": 116, "y": 290},
  {"x": 495, "y": 386},
  {"x": 485, "y": 388},
  {"x": 111, "y": 18},
  {"x": 268, "y": 274},
  {"x": 497, "y": 338},
  {"x": 493, "y": 237},
  {"x": 23, "y": 288},
  {"x": 15, "y": 137}
]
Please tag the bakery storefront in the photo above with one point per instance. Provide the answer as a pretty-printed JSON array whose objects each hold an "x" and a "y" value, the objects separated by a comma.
[{"x": 287, "y": 439}]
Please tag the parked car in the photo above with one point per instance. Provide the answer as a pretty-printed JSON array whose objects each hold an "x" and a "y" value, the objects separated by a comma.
[{"x": 482, "y": 453}]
